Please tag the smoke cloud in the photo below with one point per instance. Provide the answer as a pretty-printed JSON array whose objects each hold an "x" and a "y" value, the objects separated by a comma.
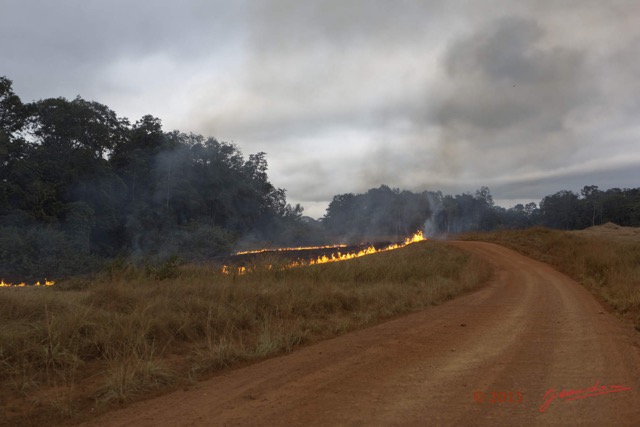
[{"x": 525, "y": 97}]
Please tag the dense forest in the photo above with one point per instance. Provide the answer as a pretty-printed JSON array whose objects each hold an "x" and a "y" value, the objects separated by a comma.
[{"x": 80, "y": 186}]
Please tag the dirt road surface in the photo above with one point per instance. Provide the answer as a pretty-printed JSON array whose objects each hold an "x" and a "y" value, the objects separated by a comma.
[{"x": 530, "y": 330}]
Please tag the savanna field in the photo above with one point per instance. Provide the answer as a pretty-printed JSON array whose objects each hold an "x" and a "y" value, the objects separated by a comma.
[
  {"x": 86, "y": 345},
  {"x": 208, "y": 208},
  {"x": 89, "y": 344}
]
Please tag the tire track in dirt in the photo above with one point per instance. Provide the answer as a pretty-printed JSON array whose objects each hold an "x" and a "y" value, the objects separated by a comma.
[{"x": 529, "y": 330}]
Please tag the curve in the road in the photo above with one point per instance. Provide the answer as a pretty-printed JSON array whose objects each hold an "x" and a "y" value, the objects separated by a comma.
[{"x": 486, "y": 358}]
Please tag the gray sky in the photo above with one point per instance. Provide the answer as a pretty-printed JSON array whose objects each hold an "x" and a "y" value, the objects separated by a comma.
[{"x": 525, "y": 97}]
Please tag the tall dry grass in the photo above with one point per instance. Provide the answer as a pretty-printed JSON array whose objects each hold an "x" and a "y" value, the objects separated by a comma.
[
  {"x": 86, "y": 345},
  {"x": 608, "y": 267}
]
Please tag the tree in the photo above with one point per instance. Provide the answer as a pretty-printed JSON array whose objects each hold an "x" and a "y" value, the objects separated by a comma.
[
  {"x": 559, "y": 210},
  {"x": 339, "y": 217},
  {"x": 593, "y": 198},
  {"x": 13, "y": 147},
  {"x": 12, "y": 111},
  {"x": 483, "y": 195}
]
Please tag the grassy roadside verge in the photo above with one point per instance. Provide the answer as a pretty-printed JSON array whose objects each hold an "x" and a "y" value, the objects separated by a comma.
[
  {"x": 65, "y": 353},
  {"x": 609, "y": 268}
]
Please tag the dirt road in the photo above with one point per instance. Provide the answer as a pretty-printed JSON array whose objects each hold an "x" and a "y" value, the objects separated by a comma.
[{"x": 530, "y": 330}]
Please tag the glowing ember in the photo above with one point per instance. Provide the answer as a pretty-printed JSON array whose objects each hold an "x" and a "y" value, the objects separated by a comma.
[
  {"x": 4, "y": 284},
  {"x": 302, "y": 248},
  {"x": 334, "y": 257}
]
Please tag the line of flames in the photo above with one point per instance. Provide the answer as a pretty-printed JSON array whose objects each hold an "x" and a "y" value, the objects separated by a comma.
[
  {"x": 301, "y": 248},
  {"x": 334, "y": 257},
  {"x": 4, "y": 284}
]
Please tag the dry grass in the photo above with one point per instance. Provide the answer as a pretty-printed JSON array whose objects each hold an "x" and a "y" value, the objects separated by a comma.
[
  {"x": 87, "y": 345},
  {"x": 608, "y": 265}
]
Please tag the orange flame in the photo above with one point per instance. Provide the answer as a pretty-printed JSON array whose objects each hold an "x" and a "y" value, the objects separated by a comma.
[
  {"x": 4, "y": 284},
  {"x": 334, "y": 257},
  {"x": 301, "y": 248}
]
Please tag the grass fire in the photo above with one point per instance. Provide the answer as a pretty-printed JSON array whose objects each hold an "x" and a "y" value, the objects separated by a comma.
[
  {"x": 125, "y": 333},
  {"x": 367, "y": 249},
  {"x": 46, "y": 282},
  {"x": 304, "y": 256}
]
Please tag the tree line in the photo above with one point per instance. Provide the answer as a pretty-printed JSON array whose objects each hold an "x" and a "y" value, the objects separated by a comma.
[
  {"x": 391, "y": 212},
  {"x": 80, "y": 185}
]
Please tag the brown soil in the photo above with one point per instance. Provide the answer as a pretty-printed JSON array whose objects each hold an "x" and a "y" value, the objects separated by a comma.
[{"x": 531, "y": 329}]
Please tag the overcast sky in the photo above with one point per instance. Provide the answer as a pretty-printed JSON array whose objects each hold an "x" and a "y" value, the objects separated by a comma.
[{"x": 525, "y": 97}]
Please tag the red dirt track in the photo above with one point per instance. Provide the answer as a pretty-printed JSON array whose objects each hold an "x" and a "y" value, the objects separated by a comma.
[{"x": 529, "y": 330}]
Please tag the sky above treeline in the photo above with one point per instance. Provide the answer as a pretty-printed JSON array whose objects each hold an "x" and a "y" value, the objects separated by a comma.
[{"x": 525, "y": 97}]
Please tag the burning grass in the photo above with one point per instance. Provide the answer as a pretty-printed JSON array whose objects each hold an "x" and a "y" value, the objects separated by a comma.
[
  {"x": 313, "y": 255},
  {"x": 64, "y": 351},
  {"x": 606, "y": 263},
  {"x": 46, "y": 282}
]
